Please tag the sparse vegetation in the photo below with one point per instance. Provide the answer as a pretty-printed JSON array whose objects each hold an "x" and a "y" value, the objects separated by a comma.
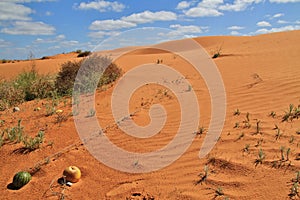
[
  {"x": 83, "y": 54},
  {"x": 260, "y": 158},
  {"x": 292, "y": 113},
  {"x": 272, "y": 114},
  {"x": 31, "y": 144},
  {"x": 203, "y": 176},
  {"x": 237, "y": 112},
  {"x": 217, "y": 53},
  {"x": 201, "y": 130}
]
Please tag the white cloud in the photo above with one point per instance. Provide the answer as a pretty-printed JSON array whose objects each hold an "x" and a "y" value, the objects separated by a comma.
[
  {"x": 102, "y": 34},
  {"x": 183, "y": 5},
  {"x": 13, "y": 11},
  {"x": 263, "y": 23},
  {"x": 239, "y": 5},
  {"x": 283, "y": 22},
  {"x": 29, "y": 28},
  {"x": 278, "y": 15},
  {"x": 203, "y": 12},
  {"x": 4, "y": 43},
  {"x": 280, "y": 29},
  {"x": 50, "y": 40},
  {"x": 109, "y": 25},
  {"x": 235, "y": 28},
  {"x": 148, "y": 17},
  {"x": 206, "y": 8},
  {"x": 102, "y": 6},
  {"x": 284, "y": 1},
  {"x": 235, "y": 33},
  {"x": 179, "y": 31},
  {"x": 69, "y": 43}
]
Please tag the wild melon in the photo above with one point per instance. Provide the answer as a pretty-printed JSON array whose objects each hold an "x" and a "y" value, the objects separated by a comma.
[{"x": 21, "y": 178}]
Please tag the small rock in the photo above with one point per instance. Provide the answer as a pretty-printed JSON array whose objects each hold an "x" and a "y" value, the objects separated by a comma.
[{"x": 16, "y": 109}]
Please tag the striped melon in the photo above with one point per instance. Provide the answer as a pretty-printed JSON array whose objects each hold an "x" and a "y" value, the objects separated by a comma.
[{"x": 21, "y": 178}]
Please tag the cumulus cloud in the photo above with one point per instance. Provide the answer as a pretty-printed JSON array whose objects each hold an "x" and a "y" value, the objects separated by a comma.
[
  {"x": 29, "y": 28},
  {"x": 206, "y": 8},
  {"x": 263, "y": 23},
  {"x": 183, "y": 5},
  {"x": 239, "y": 5},
  {"x": 148, "y": 17},
  {"x": 13, "y": 11},
  {"x": 235, "y": 27},
  {"x": 109, "y": 25},
  {"x": 279, "y": 29},
  {"x": 102, "y": 6}
]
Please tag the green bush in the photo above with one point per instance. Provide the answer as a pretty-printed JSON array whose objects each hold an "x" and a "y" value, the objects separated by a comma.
[
  {"x": 27, "y": 86},
  {"x": 84, "y": 54},
  {"x": 93, "y": 74}
]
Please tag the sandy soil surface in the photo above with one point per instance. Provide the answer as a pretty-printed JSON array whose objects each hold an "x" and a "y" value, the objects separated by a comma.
[{"x": 261, "y": 74}]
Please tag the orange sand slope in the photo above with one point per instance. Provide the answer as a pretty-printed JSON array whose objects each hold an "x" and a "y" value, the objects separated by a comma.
[{"x": 260, "y": 74}]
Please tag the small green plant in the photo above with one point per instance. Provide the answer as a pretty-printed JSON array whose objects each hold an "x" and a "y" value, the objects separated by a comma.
[
  {"x": 237, "y": 112},
  {"x": 292, "y": 139},
  {"x": 246, "y": 148},
  {"x": 272, "y": 114},
  {"x": 203, "y": 176},
  {"x": 201, "y": 130},
  {"x": 237, "y": 125},
  {"x": 294, "y": 191},
  {"x": 260, "y": 158},
  {"x": 247, "y": 121},
  {"x": 278, "y": 134},
  {"x": 31, "y": 144},
  {"x": 292, "y": 113},
  {"x": 282, "y": 149},
  {"x": 288, "y": 151},
  {"x": 217, "y": 52},
  {"x": 259, "y": 142},
  {"x": 240, "y": 136},
  {"x": 84, "y": 54},
  {"x": 219, "y": 192},
  {"x": 258, "y": 127},
  {"x": 50, "y": 110}
]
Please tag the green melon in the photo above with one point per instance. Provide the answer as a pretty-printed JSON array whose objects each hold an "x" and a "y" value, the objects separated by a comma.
[{"x": 21, "y": 178}]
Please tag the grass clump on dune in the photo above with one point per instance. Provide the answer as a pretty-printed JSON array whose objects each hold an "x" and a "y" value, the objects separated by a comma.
[{"x": 30, "y": 85}]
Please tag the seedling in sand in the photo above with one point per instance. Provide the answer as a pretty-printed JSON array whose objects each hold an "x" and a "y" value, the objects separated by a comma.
[
  {"x": 241, "y": 136},
  {"x": 219, "y": 192},
  {"x": 201, "y": 130},
  {"x": 246, "y": 148},
  {"x": 237, "y": 112},
  {"x": 278, "y": 134},
  {"x": 237, "y": 125},
  {"x": 272, "y": 114},
  {"x": 203, "y": 175},
  {"x": 31, "y": 144},
  {"x": 291, "y": 140},
  {"x": 258, "y": 127},
  {"x": 282, "y": 152},
  {"x": 260, "y": 158}
]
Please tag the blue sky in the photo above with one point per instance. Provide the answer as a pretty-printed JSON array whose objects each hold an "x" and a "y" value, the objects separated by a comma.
[{"x": 47, "y": 27}]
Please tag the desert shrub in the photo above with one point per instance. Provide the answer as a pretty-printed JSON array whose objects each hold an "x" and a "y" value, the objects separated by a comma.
[
  {"x": 27, "y": 86},
  {"x": 10, "y": 95},
  {"x": 66, "y": 77},
  {"x": 78, "y": 51},
  {"x": 83, "y": 54},
  {"x": 96, "y": 71}
]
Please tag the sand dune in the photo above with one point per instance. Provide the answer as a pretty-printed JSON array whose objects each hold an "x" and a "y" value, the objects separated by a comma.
[{"x": 260, "y": 74}]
